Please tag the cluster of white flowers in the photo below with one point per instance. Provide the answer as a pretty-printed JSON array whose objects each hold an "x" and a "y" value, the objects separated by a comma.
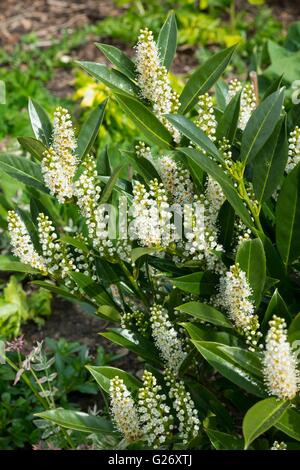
[
  {"x": 201, "y": 233},
  {"x": 235, "y": 296},
  {"x": 177, "y": 180},
  {"x": 135, "y": 320},
  {"x": 248, "y": 100},
  {"x": 22, "y": 244},
  {"x": 59, "y": 163},
  {"x": 184, "y": 406},
  {"x": 294, "y": 149},
  {"x": 242, "y": 232},
  {"x": 87, "y": 191},
  {"x": 55, "y": 255},
  {"x": 150, "y": 211},
  {"x": 166, "y": 338},
  {"x": 156, "y": 421},
  {"x": 279, "y": 363},
  {"x": 124, "y": 412},
  {"x": 143, "y": 150},
  {"x": 279, "y": 445},
  {"x": 215, "y": 198},
  {"x": 154, "y": 81},
  {"x": 206, "y": 119}
]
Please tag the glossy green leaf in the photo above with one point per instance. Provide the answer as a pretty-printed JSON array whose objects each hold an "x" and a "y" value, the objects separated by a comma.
[
  {"x": 76, "y": 242},
  {"x": 109, "y": 313},
  {"x": 288, "y": 218},
  {"x": 225, "y": 182},
  {"x": 195, "y": 134},
  {"x": 78, "y": 421},
  {"x": 167, "y": 41},
  {"x": 205, "y": 313},
  {"x": 90, "y": 129},
  {"x": 40, "y": 123},
  {"x": 223, "y": 441},
  {"x": 238, "y": 365},
  {"x": 106, "y": 193},
  {"x": 204, "y": 78},
  {"x": 201, "y": 283},
  {"x": 226, "y": 222},
  {"x": 16, "y": 266},
  {"x": 62, "y": 292},
  {"x": 104, "y": 374},
  {"x": 276, "y": 306},
  {"x": 146, "y": 121},
  {"x": 204, "y": 333},
  {"x": 229, "y": 121},
  {"x": 92, "y": 289},
  {"x": 270, "y": 162},
  {"x": 289, "y": 423},
  {"x": 252, "y": 260},
  {"x": 119, "y": 59},
  {"x": 23, "y": 170},
  {"x": 35, "y": 147},
  {"x": 111, "y": 78},
  {"x": 261, "y": 417},
  {"x": 261, "y": 126},
  {"x": 137, "y": 253},
  {"x": 134, "y": 342}
]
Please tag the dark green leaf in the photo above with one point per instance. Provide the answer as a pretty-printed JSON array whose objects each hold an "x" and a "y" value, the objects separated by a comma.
[
  {"x": 196, "y": 135},
  {"x": 269, "y": 163},
  {"x": 228, "y": 123},
  {"x": 106, "y": 193},
  {"x": 238, "y": 365},
  {"x": 111, "y": 78},
  {"x": 261, "y": 417},
  {"x": 261, "y": 126},
  {"x": 78, "y": 421},
  {"x": 204, "y": 78},
  {"x": 35, "y": 147},
  {"x": 225, "y": 182},
  {"x": 167, "y": 41},
  {"x": 104, "y": 374},
  {"x": 40, "y": 122},
  {"x": 23, "y": 170},
  {"x": 146, "y": 121},
  {"x": 201, "y": 283},
  {"x": 252, "y": 260},
  {"x": 289, "y": 423},
  {"x": 222, "y": 441},
  {"x": 90, "y": 129},
  {"x": 92, "y": 289},
  {"x": 119, "y": 59},
  {"x": 288, "y": 218},
  {"x": 277, "y": 306},
  {"x": 205, "y": 313}
]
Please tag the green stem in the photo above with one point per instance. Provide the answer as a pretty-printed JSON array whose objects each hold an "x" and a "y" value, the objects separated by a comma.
[
  {"x": 27, "y": 381},
  {"x": 133, "y": 283}
]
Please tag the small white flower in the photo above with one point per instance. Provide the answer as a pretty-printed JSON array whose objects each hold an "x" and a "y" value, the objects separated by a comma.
[
  {"x": 294, "y": 149},
  {"x": 21, "y": 243},
  {"x": 59, "y": 163},
  {"x": 206, "y": 119},
  {"x": 166, "y": 338},
  {"x": 278, "y": 445},
  {"x": 154, "y": 81},
  {"x": 236, "y": 298},
  {"x": 176, "y": 179},
  {"x": 189, "y": 423},
  {"x": 124, "y": 412},
  {"x": 280, "y": 364},
  {"x": 155, "y": 418},
  {"x": 248, "y": 100}
]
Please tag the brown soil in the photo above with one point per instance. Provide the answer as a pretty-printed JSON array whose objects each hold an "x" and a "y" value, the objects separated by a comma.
[{"x": 69, "y": 321}]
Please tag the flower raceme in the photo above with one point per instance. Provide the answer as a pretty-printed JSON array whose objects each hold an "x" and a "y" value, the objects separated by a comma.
[
  {"x": 236, "y": 297},
  {"x": 166, "y": 338},
  {"x": 59, "y": 163},
  {"x": 154, "y": 81},
  {"x": 22, "y": 244},
  {"x": 281, "y": 375}
]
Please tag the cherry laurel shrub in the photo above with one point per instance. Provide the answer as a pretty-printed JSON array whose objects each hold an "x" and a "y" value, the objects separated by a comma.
[{"x": 187, "y": 241}]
